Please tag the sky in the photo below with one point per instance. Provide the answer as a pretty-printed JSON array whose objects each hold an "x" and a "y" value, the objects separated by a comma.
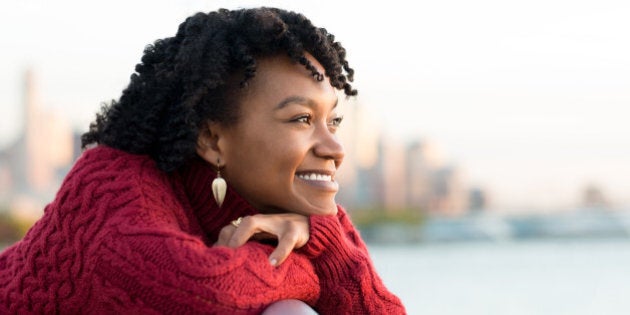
[{"x": 529, "y": 98}]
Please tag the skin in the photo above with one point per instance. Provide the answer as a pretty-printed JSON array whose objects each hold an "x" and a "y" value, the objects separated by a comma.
[{"x": 285, "y": 133}]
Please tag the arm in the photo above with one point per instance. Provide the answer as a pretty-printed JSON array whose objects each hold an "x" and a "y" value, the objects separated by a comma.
[
  {"x": 153, "y": 254},
  {"x": 349, "y": 283},
  {"x": 177, "y": 273}
]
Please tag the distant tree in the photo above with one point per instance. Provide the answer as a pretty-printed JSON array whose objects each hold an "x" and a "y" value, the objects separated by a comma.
[{"x": 11, "y": 230}]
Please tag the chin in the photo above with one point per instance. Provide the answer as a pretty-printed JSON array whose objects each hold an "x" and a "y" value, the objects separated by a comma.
[
  {"x": 328, "y": 209},
  {"x": 333, "y": 211},
  {"x": 311, "y": 206}
]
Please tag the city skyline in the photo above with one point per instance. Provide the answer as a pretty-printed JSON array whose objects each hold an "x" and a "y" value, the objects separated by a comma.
[
  {"x": 377, "y": 173},
  {"x": 531, "y": 103}
]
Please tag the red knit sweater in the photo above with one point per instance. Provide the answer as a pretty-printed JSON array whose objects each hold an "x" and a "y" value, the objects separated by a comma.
[{"x": 123, "y": 237}]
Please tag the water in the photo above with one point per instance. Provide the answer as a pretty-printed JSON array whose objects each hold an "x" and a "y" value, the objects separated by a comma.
[
  {"x": 534, "y": 277},
  {"x": 512, "y": 278}
]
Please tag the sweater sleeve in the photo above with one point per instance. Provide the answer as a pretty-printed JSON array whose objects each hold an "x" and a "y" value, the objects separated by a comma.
[
  {"x": 146, "y": 254},
  {"x": 174, "y": 273},
  {"x": 349, "y": 283}
]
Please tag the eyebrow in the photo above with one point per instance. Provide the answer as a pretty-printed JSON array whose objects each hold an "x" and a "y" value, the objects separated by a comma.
[{"x": 300, "y": 100}]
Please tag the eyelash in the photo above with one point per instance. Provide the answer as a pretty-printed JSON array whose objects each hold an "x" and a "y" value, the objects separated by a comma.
[
  {"x": 307, "y": 119},
  {"x": 335, "y": 122}
]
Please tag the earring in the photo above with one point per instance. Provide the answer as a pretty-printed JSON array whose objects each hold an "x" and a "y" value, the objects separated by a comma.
[{"x": 219, "y": 186}]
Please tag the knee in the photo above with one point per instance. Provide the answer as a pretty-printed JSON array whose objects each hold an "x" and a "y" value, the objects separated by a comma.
[{"x": 289, "y": 307}]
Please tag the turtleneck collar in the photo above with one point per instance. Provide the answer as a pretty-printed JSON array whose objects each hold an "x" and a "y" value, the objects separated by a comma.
[{"x": 197, "y": 177}]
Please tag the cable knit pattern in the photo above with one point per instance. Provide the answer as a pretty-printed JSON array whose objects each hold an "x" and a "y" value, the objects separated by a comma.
[
  {"x": 123, "y": 237},
  {"x": 349, "y": 282},
  {"x": 120, "y": 238}
]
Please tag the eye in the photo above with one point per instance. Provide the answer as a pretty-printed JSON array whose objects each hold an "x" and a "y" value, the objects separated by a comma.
[
  {"x": 303, "y": 119},
  {"x": 335, "y": 122}
]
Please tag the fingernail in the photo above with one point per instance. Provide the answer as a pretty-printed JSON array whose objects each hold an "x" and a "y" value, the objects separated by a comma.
[{"x": 273, "y": 261}]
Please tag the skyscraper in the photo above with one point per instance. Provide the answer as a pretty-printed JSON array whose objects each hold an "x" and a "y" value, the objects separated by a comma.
[{"x": 29, "y": 170}]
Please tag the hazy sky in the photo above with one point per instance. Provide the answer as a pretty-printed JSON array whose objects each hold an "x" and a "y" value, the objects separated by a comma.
[{"x": 530, "y": 98}]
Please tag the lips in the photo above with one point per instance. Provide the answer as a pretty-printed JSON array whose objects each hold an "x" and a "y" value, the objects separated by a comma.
[{"x": 321, "y": 179}]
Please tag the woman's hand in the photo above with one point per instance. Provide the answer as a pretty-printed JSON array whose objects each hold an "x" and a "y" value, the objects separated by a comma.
[{"x": 290, "y": 229}]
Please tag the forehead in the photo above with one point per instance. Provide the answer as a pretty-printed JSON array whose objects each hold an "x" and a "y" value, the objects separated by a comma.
[
  {"x": 269, "y": 65},
  {"x": 278, "y": 77}
]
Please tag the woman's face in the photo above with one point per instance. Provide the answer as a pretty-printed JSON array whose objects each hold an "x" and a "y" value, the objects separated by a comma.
[{"x": 283, "y": 153}]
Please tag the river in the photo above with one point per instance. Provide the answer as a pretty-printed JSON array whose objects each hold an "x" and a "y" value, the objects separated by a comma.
[
  {"x": 571, "y": 277},
  {"x": 576, "y": 277}
]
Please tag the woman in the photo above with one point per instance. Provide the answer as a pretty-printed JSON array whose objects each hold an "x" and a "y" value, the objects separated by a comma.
[{"x": 143, "y": 222}]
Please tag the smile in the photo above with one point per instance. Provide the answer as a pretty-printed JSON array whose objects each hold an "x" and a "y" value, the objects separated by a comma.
[{"x": 315, "y": 177}]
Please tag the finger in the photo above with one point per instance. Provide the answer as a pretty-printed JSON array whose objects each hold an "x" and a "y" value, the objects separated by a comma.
[
  {"x": 263, "y": 236},
  {"x": 246, "y": 229},
  {"x": 286, "y": 243},
  {"x": 224, "y": 235}
]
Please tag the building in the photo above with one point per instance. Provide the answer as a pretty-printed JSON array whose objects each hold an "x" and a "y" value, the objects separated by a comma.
[
  {"x": 33, "y": 166},
  {"x": 359, "y": 175},
  {"x": 379, "y": 172},
  {"x": 433, "y": 186}
]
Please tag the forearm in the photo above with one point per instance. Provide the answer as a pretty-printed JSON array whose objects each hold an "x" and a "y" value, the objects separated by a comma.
[
  {"x": 349, "y": 283},
  {"x": 179, "y": 273}
]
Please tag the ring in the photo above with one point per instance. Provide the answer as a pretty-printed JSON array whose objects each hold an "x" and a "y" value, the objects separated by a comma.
[{"x": 237, "y": 222}]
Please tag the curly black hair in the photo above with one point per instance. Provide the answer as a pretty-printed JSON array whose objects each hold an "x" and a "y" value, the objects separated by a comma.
[{"x": 182, "y": 82}]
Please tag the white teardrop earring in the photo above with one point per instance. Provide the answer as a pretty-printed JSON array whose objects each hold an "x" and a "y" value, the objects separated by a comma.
[{"x": 219, "y": 186}]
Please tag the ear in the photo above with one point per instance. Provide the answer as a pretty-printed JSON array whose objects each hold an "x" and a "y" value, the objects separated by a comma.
[{"x": 209, "y": 144}]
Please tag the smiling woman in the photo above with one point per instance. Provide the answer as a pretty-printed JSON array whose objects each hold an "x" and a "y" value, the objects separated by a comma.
[
  {"x": 282, "y": 153},
  {"x": 208, "y": 187}
]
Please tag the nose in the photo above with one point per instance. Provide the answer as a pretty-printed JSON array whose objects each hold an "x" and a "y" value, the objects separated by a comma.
[{"x": 328, "y": 146}]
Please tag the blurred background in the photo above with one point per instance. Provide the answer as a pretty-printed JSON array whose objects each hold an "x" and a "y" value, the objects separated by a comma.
[{"x": 488, "y": 151}]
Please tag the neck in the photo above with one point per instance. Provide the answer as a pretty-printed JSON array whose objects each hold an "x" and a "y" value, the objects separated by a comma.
[{"x": 197, "y": 177}]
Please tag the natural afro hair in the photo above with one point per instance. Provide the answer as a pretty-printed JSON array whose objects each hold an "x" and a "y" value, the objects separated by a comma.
[{"x": 182, "y": 81}]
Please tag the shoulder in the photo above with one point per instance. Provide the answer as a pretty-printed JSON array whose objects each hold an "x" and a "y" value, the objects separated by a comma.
[
  {"x": 108, "y": 169},
  {"x": 106, "y": 161},
  {"x": 110, "y": 179}
]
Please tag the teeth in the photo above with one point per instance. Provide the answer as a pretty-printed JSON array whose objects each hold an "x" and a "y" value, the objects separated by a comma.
[{"x": 313, "y": 176}]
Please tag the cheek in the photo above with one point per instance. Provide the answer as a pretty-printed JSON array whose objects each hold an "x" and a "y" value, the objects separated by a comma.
[
  {"x": 282, "y": 161},
  {"x": 263, "y": 162},
  {"x": 276, "y": 151}
]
